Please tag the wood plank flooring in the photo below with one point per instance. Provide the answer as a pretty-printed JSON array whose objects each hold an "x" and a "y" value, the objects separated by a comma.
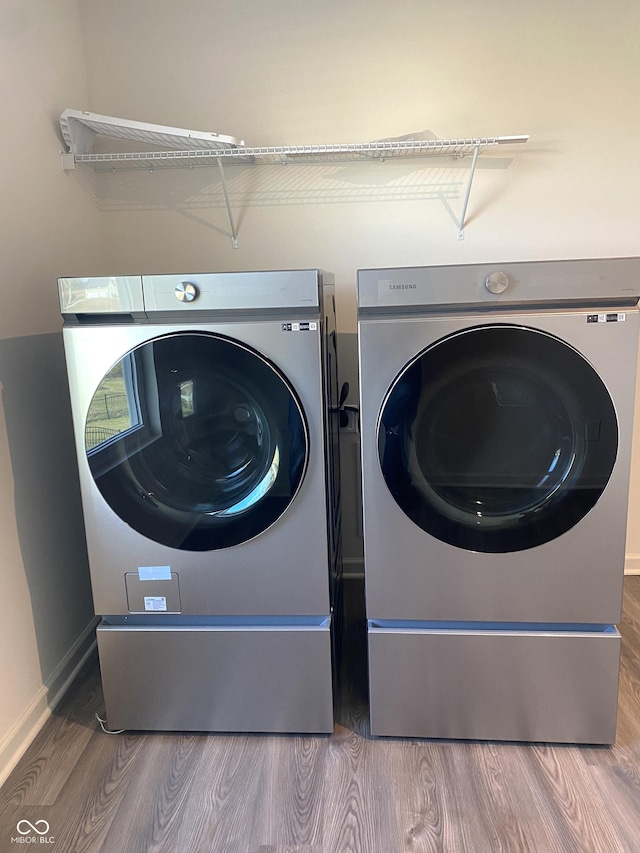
[{"x": 348, "y": 793}]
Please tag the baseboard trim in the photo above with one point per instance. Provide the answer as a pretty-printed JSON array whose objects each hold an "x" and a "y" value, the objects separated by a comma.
[
  {"x": 21, "y": 735},
  {"x": 632, "y": 564}
]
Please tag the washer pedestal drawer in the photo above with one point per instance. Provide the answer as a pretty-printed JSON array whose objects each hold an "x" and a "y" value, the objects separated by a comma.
[
  {"x": 494, "y": 683},
  {"x": 232, "y": 678}
]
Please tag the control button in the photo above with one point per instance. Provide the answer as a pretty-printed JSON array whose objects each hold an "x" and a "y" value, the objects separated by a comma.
[
  {"x": 497, "y": 282},
  {"x": 186, "y": 291}
]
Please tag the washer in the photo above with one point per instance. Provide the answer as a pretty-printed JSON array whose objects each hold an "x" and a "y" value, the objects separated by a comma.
[
  {"x": 496, "y": 414},
  {"x": 204, "y": 412}
]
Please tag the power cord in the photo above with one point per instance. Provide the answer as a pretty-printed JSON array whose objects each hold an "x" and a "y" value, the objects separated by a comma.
[{"x": 103, "y": 726}]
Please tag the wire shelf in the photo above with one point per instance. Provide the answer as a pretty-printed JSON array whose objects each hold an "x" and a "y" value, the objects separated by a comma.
[
  {"x": 183, "y": 148},
  {"x": 284, "y": 154}
]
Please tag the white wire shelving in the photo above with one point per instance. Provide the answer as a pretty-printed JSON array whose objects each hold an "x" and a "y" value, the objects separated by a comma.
[{"x": 191, "y": 149}]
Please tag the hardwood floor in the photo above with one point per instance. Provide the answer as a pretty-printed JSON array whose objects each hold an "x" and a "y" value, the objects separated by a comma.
[{"x": 348, "y": 793}]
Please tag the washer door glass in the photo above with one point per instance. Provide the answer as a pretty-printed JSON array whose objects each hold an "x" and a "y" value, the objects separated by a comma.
[
  {"x": 196, "y": 441},
  {"x": 497, "y": 439}
]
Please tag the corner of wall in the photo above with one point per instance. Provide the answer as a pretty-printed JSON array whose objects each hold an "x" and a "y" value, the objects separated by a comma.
[{"x": 23, "y": 732}]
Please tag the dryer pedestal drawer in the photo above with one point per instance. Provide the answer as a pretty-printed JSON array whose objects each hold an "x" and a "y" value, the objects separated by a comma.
[
  {"x": 232, "y": 678},
  {"x": 488, "y": 684}
]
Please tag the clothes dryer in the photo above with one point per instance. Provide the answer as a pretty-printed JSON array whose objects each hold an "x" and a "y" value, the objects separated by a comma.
[
  {"x": 204, "y": 409},
  {"x": 496, "y": 415}
]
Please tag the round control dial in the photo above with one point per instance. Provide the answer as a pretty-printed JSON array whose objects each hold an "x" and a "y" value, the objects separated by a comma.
[
  {"x": 497, "y": 282},
  {"x": 186, "y": 291}
]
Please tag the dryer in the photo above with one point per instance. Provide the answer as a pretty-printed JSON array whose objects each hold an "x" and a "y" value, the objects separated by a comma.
[
  {"x": 204, "y": 417},
  {"x": 496, "y": 414}
]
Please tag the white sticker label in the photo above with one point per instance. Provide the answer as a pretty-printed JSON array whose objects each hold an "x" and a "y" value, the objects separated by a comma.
[
  {"x": 616, "y": 317},
  {"x": 154, "y": 573},
  {"x": 155, "y": 602},
  {"x": 300, "y": 327}
]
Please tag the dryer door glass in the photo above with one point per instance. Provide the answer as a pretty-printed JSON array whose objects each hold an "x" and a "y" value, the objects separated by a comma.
[
  {"x": 497, "y": 439},
  {"x": 196, "y": 441}
]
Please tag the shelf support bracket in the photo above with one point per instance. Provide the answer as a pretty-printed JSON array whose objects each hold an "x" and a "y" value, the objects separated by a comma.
[
  {"x": 465, "y": 203},
  {"x": 234, "y": 236},
  {"x": 67, "y": 161}
]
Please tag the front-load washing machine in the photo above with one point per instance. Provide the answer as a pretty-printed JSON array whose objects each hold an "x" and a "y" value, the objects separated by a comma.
[
  {"x": 204, "y": 415},
  {"x": 496, "y": 415}
]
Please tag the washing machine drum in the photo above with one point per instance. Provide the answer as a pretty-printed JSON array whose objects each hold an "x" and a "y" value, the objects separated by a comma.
[
  {"x": 196, "y": 441},
  {"x": 497, "y": 439}
]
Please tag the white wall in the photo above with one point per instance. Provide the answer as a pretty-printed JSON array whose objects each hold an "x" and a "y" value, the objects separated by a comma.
[
  {"x": 286, "y": 71},
  {"x": 47, "y": 228}
]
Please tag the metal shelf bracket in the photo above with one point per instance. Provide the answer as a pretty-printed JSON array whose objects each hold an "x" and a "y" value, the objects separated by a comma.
[
  {"x": 234, "y": 236},
  {"x": 467, "y": 193}
]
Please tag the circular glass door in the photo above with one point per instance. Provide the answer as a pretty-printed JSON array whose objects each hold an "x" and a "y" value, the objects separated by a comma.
[
  {"x": 497, "y": 439},
  {"x": 196, "y": 441}
]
